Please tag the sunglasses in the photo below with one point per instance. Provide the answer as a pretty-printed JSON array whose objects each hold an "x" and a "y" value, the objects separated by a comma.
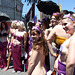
[
  {"x": 64, "y": 24},
  {"x": 33, "y": 34}
]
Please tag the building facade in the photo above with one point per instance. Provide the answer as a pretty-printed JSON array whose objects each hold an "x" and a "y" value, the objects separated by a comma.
[
  {"x": 42, "y": 16},
  {"x": 13, "y": 8}
]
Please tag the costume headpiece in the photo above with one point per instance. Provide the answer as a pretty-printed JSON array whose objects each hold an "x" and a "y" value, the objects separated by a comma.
[
  {"x": 68, "y": 16},
  {"x": 55, "y": 13},
  {"x": 38, "y": 23},
  {"x": 36, "y": 28}
]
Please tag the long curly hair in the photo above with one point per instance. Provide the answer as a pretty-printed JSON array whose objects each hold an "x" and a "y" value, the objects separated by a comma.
[{"x": 6, "y": 26}]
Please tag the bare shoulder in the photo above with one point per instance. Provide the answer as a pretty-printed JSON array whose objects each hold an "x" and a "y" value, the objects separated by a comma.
[
  {"x": 11, "y": 30},
  {"x": 37, "y": 48},
  {"x": 55, "y": 28},
  {"x": 58, "y": 26},
  {"x": 25, "y": 33},
  {"x": 72, "y": 40},
  {"x": 48, "y": 29}
]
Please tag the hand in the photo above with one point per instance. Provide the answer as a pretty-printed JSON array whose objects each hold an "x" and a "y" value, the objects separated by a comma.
[
  {"x": 55, "y": 55},
  {"x": 56, "y": 66}
]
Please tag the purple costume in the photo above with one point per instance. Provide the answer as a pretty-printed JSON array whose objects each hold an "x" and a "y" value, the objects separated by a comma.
[
  {"x": 61, "y": 66},
  {"x": 29, "y": 49},
  {"x": 16, "y": 54},
  {"x": 3, "y": 60}
]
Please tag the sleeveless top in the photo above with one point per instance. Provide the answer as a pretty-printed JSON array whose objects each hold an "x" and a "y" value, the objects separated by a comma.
[
  {"x": 3, "y": 35},
  {"x": 19, "y": 38},
  {"x": 59, "y": 41}
]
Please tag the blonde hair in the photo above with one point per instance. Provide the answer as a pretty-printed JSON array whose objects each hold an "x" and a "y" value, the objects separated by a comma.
[
  {"x": 69, "y": 19},
  {"x": 13, "y": 22},
  {"x": 21, "y": 25}
]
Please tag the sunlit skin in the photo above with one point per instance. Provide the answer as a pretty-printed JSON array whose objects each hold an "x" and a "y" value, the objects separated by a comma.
[
  {"x": 14, "y": 25},
  {"x": 35, "y": 36},
  {"x": 67, "y": 26},
  {"x": 68, "y": 49},
  {"x": 37, "y": 56},
  {"x": 53, "y": 20},
  {"x": 12, "y": 30}
]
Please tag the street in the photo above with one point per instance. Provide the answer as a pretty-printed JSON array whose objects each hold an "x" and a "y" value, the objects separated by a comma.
[{"x": 9, "y": 71}]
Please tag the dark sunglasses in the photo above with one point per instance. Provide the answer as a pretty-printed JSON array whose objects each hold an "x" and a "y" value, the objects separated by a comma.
[
  {"x": 33, "y": 34},
  {"x": 64, "y": 24}
]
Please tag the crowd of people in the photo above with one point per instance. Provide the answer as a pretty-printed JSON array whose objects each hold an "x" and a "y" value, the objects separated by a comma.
[{"x": 49, "y": 45}]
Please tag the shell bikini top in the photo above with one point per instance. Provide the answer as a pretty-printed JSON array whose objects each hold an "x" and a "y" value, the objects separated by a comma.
[
  {"x": 3, "y": 35},
  {"x": 19, "y": 38}
]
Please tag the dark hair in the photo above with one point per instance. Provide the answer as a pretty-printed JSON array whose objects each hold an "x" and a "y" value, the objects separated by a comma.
[
  {"x": 41, "y": 42},
  {"x": 46, "y": 22},
  {"x": 64, "y": 11},
  {"x": 58, "y": 15},
  {"x": 6, "y": 26},
  {"x": 31, "y": 24},
  {"x": 71, "y": 12}
]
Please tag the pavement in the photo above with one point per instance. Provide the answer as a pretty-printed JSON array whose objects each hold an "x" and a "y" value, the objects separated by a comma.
[{"x": 9, "y": 71}]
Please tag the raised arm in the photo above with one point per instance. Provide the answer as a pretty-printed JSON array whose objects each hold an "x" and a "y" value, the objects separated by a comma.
[{"x": 50, "y": 39}]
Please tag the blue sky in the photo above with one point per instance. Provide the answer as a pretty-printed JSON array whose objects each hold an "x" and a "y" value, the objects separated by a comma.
[{"x": 65, "y": 5}]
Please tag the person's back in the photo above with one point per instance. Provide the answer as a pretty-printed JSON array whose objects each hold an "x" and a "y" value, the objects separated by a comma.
[
  {"x": 40, "y": 67},
  {"x": 36, "y": 64}
]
